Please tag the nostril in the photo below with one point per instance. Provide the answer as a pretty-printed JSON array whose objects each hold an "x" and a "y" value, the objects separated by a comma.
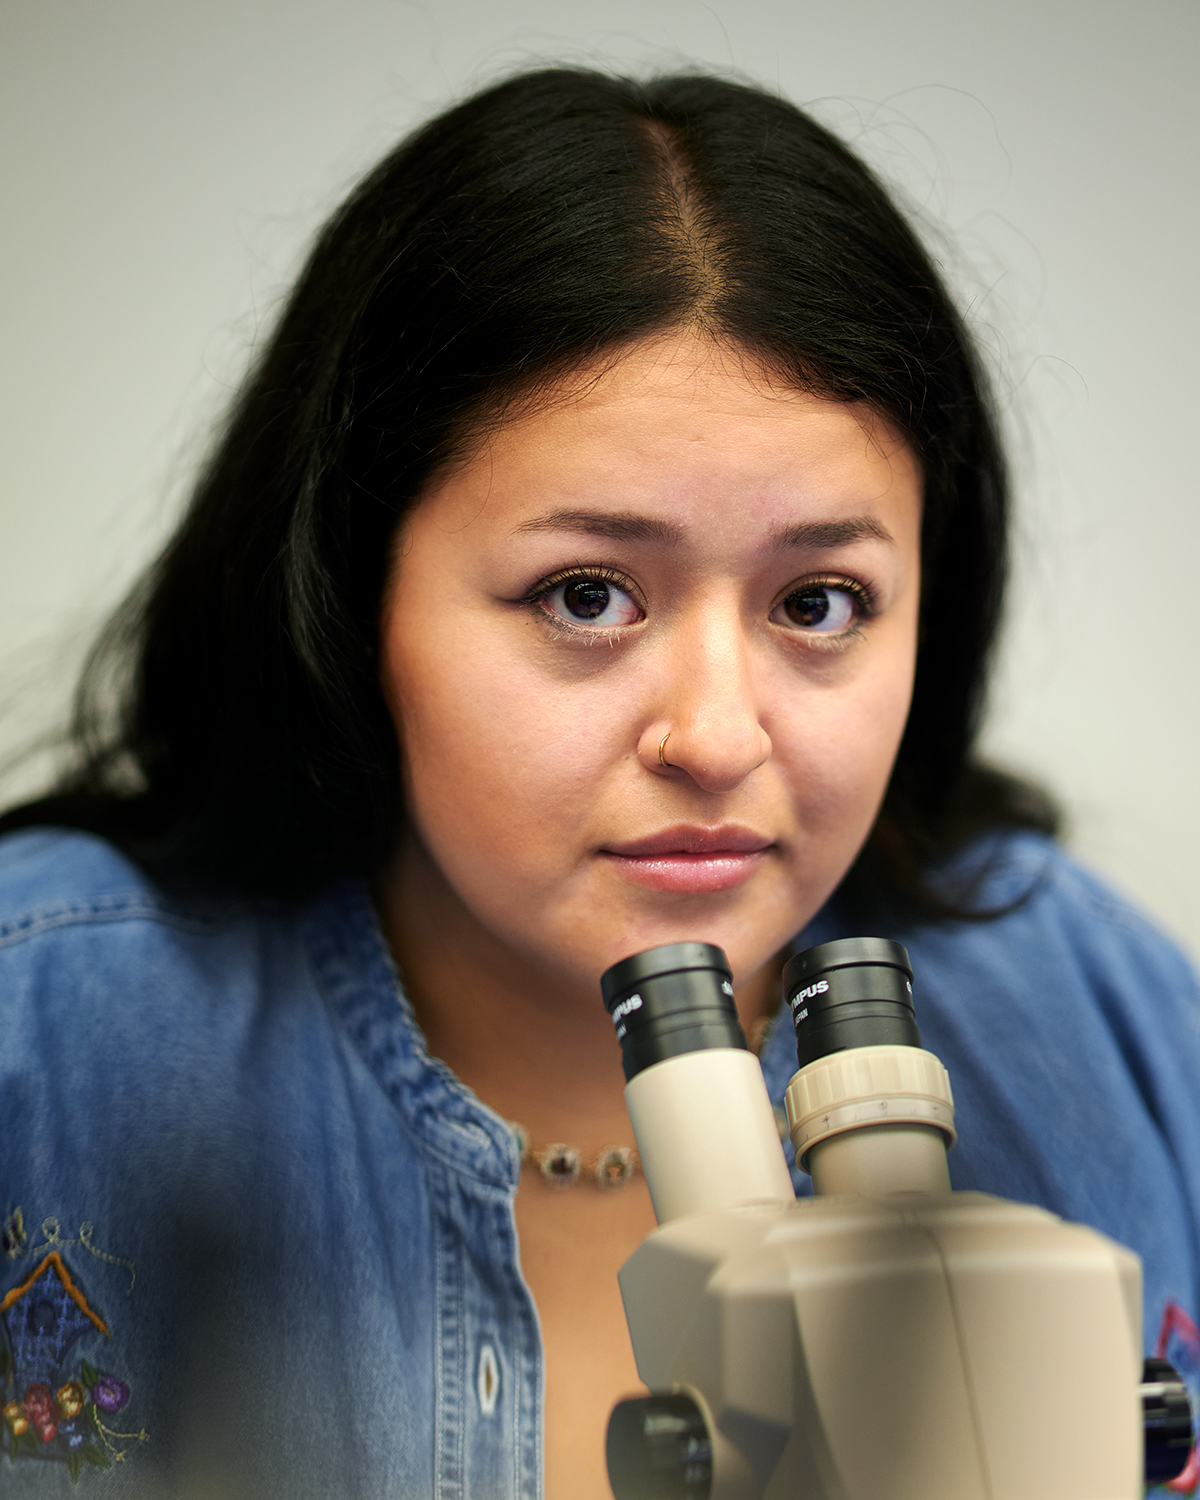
[{"x": 718, "y": 762}]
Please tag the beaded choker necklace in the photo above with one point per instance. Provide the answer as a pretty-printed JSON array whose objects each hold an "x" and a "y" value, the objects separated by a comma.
[{"x": 562, "y": 1166}]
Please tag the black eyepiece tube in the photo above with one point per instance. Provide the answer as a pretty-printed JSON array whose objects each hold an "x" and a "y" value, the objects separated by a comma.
[
  {"x": 856, "y": 992},
  {"x": 668, "y": 1000}
]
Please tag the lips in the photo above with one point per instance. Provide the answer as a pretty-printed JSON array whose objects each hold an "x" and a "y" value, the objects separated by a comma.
[{"x": 691, "y": 860}]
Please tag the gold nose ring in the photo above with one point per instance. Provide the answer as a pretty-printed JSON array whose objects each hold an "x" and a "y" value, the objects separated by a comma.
[{"x": 662, "y": 759}]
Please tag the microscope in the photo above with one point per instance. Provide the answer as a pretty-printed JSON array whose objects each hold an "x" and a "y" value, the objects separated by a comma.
[{"x": 888, "y": 1338}]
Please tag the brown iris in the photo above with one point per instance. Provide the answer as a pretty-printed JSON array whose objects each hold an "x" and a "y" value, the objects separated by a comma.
[
  {"x": 807, "y": 606},
  {"x": 586, "y": 598}
]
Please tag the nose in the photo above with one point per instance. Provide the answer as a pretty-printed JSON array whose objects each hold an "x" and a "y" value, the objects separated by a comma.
[{"x": 709, "y": 708}]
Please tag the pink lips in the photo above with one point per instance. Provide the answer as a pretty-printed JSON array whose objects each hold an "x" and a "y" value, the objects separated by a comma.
[{"x": 691, "y": 860}]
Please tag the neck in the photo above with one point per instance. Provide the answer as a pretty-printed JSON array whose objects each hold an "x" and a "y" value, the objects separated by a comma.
[{"x": 533, "y": 1043}]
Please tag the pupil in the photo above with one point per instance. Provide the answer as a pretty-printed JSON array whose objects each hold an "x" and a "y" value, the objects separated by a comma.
[
  {"x": 586, "y": 599},
  {"x": 808, "y": 608}
]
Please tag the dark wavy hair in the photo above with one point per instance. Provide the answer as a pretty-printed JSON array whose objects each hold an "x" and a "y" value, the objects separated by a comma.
[{"x": 551, "y": 219}]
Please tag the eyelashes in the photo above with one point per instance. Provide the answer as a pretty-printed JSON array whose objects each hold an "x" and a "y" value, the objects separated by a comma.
[
  {"x": 593, "y": 602},
  {"x": 831, "y": 606},
  {"x": 826, "y": 609}
]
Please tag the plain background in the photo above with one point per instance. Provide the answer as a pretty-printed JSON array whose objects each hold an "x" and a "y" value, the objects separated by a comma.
[{"x": 164, "y": 165}]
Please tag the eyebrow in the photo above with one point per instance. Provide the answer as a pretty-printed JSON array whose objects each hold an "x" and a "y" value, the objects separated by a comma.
[
  {"x": 618, "y": 526},
  {"x": 622, "y": 526},
  {"x": 814, "y": 535}
]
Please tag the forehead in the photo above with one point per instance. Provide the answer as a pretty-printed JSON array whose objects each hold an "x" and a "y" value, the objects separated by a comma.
[{"x": 688, "y": 430}]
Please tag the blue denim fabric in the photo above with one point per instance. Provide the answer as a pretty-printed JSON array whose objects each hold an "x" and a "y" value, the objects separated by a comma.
[{"x": 288, "y": 1232}]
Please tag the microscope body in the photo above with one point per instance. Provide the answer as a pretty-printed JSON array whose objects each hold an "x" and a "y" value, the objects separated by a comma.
[
  {"x": 886, "y": 1339},
  {"x": 910, "y": 1346}
]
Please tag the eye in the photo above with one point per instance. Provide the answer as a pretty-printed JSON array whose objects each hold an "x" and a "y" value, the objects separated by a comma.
[
  {"x": 589, "y": 599},
  {"x": 822, "y": 608}
]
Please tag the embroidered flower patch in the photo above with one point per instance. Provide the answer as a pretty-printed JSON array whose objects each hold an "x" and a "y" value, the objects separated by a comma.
[{"x": 54, "y": 1405}]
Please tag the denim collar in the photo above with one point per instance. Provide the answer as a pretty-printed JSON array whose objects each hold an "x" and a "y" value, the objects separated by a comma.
[{"x": 357, "y": 975}]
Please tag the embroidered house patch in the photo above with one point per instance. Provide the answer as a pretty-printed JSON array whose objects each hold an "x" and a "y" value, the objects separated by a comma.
[{"x": 54, "y": 1407}]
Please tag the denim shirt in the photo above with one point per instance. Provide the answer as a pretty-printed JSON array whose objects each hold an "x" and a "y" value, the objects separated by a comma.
[{"x": 257, "y": 1242}]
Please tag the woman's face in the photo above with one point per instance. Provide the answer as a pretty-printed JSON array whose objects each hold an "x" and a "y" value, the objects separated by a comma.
[{"x": 680, "y": 557}]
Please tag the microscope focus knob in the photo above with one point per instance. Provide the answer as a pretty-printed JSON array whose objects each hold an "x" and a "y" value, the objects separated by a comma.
[
  {"x": 658, "y": 1448},
  {"x": 1167, "y": 1419}
]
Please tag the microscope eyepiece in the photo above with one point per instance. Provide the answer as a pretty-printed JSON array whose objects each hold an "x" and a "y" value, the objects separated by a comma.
[
  {"x": 856, "y": 992},
  {"x": 697, "y": 1102},
  {"x": 669, "y": 1000}
]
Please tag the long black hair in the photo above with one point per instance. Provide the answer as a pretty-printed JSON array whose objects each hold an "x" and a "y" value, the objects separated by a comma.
[{"x": 555, "y": 217}]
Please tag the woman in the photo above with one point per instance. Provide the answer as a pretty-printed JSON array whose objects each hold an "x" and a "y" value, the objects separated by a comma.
[{"x": 606, "y": 551}]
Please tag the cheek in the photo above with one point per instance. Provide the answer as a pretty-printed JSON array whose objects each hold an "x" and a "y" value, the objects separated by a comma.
[
  {"x": 494, "y": 756},
  {"x": 842, "y": 744}
]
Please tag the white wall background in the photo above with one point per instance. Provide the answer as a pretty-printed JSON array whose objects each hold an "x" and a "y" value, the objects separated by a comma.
[{"x": 163, "y": 165}]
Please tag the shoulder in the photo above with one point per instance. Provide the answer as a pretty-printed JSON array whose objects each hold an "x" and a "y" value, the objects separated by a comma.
[
  {"x": 143, "y": 1030},
  {"x": 56, "y": 877},
  {"x": 90, "y": 946},
  {"x": 1050, "y": 937},
  {"x": 84, "y": 932},
  {"x": 1033, "y": 871},
  {"x": 1054, "y": 927}
]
